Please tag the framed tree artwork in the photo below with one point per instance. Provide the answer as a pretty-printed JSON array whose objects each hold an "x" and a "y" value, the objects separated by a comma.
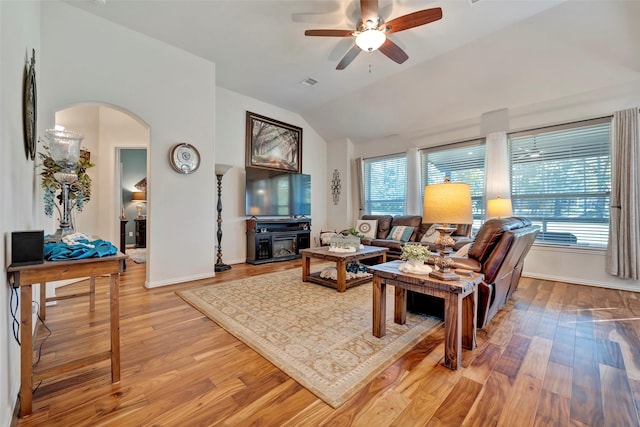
[{"x": 272, "y": 144}]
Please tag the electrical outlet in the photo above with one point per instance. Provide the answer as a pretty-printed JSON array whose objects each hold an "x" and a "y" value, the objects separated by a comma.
[
  {"x": 33, "y": 307},
  {"x": 131, "y": 234}
]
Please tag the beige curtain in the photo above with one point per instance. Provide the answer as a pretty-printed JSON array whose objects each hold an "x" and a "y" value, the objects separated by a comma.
[
  {"x": 623, "y": 250},
  {"x": 359, "y": 179}
]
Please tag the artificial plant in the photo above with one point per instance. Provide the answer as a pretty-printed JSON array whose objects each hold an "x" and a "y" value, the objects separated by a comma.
[{"x": 80, "y": 190}]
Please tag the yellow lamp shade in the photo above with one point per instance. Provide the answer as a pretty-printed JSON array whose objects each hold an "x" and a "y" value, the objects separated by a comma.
[
  {"x": 139, "y": 196},
  {"x": 499, "y": 207},
  {"x": 447, "y": 203}
]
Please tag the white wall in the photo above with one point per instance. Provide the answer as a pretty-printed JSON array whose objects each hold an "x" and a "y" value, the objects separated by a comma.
[
  {"x": 118, "y": 129},
  {"x": 340, "y": 216},
  {"x": 231, "y": 108},
  {"x": 85, "y": 120},
  {"x": 19, "y": 210},
  {"x": 88, "y": 59}
]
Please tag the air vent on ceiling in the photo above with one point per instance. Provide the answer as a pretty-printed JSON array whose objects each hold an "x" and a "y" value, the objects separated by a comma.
[{"x": 308, "y": 82}]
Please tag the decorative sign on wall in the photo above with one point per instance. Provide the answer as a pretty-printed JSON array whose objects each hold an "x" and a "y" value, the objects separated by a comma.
[{"x": 336, "y": 186}]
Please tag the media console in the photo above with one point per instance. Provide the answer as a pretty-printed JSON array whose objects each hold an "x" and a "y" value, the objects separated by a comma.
[{"x": 278, "y": 239}]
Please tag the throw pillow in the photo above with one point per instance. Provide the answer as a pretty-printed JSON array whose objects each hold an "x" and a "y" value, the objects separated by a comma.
[
  {"x": 367, "y": 227},
  {"x": 431, "y": 234},
  {"x": 400, "y": 232},
  {"x": 325, "y": 237},
  {"x": 463, "y": 251}
]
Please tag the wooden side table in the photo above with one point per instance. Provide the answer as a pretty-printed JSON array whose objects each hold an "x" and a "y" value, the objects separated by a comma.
[
  {"x": 141, "y": 232},
  {"x": 24, "y": 277},
  {"x": 341, "y": 259},
  {"x": 460, "y": 305},
  {"x": 123, "y": 240}
]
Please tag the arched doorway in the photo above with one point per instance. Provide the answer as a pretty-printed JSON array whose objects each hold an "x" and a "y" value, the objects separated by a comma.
[{"x": 107, "y": 130}]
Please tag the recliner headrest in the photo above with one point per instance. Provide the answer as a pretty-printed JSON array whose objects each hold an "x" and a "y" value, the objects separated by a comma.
[{"x": 491, "y": 232}]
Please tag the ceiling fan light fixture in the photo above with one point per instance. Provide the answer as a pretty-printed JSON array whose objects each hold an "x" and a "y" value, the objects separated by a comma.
[
  {"x": 371, "y": 32},
  {"x": 370, "y": 40}
]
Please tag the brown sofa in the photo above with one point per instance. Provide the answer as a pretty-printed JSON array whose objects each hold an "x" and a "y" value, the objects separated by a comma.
[
  {"x": 387, "y": 222},
  {"x": 498, "y": 252}
]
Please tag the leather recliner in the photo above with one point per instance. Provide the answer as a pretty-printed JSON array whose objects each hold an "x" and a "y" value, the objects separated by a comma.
[{"x": 498, "y": 251}]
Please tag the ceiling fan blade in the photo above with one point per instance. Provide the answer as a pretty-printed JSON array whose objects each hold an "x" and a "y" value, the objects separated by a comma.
[
  {"x": 329, "y": 33},
  {"x": 414, "y": 19},
  {"x": 393, "y": 52},
  {"x": 348, "y": 58},
  {"x": 369, "y": 10}
]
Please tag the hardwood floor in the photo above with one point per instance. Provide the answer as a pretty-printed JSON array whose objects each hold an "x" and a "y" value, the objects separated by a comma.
[{"x": 556, "y": 355}]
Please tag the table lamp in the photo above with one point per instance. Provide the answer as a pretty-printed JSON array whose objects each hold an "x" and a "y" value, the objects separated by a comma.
[
  {"x": 64, "y": 146},
  {"x": 499, "y": 207},
  {"x": 447, "y": 204},
  {"x": 140, "y": 197}
]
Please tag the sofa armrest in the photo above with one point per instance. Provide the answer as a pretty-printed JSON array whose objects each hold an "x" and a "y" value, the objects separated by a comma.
[
  {"x": 459, "y": 242},
  {"x": 394, "y": 245},
  {"x": 467, "y": 264}
]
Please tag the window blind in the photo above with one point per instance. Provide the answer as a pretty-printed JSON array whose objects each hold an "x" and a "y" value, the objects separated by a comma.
[
  {"x": 461, "y": 162},
  {"x": 561, "y": 180},
  {"x": 385, "y": 181}
]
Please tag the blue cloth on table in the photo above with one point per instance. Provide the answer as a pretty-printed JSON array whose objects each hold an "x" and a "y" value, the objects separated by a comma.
[
  {"x": 355, "y": 267},
  {"x": 83, "y": 249}
]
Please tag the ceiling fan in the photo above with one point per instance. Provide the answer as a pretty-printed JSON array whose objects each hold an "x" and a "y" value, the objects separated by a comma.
[
  {"x": 531, "y": 153},
  {"x": 371, "y": 33}
]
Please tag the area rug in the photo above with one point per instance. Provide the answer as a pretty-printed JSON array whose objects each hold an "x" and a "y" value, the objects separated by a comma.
[
  {"x": 319, "y": 337},
  {"x": 138, "y": 256}
]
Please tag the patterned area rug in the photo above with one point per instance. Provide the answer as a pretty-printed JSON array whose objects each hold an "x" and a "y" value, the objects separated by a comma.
[{"x": 319, "y": 337}]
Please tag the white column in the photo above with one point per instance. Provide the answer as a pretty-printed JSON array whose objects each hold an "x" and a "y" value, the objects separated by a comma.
[{"x": 497, "y": 179}]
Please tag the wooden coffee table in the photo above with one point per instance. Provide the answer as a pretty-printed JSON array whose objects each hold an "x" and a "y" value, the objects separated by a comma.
[
  {"x": 341, "y": 259},
  {"x": 460, "y": 305}
]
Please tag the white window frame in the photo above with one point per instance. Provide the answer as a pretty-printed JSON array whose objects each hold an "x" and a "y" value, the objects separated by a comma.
[
  {"x": 567, "y": 227},
  {"x": 458, "y": 172},
  {"x": 369, "y": 204}
]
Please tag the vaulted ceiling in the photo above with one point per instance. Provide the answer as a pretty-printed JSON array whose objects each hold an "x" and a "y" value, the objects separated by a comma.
[{"x": 481, "y": 56}]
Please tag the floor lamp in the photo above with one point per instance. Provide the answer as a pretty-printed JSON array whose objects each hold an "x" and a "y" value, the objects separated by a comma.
[{"x": 220, "y": 171}]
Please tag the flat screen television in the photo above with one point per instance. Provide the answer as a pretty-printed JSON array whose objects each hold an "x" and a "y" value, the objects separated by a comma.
[{"x": 274, "y": 193}]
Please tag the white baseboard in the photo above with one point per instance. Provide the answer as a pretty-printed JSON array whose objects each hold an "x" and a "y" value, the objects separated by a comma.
[
  {"x": 553, "y": 278},
  {"x": 178, "y": 280}
]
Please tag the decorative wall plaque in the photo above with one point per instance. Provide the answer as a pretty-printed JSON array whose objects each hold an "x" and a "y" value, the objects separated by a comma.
[
  {"x": 336, "y": 186},
  {"x": 30, "y": 107}
]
